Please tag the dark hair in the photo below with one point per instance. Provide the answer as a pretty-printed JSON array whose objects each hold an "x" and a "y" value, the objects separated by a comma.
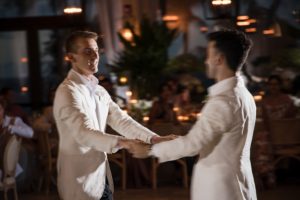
[
  {"x": 3, "y": 103},
  {"x": 235, "y": 46},
  {"x": 275, "y": 77},
  {"x": 4, "y": 91},
  {"x": 70, "y": 45}
]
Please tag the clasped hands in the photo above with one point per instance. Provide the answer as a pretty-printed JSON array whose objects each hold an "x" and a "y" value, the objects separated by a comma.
[{"x": 140, "y": 149}]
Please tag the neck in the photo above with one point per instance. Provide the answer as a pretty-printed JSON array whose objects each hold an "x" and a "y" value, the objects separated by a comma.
[
  {"x": 224, "y": 73},
  {"x": 88, "y": 76}
]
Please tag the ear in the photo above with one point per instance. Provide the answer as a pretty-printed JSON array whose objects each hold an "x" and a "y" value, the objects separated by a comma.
[
  {"x": 221, "y": 59},
  {"x": 71, "y": 57}
]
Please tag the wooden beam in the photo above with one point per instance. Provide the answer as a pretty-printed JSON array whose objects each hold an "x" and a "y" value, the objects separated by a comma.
[{"x": 49, "y": 22}]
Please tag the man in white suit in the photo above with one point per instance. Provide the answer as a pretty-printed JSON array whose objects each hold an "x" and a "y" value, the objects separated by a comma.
[
  {"x": 223, "y": 132},
  {"x": 82, "y": 109}
]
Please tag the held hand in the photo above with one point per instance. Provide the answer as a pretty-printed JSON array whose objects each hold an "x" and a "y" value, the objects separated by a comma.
[
  {"x": 139, "y": 149},
  {"x": 158, "y": 139}
]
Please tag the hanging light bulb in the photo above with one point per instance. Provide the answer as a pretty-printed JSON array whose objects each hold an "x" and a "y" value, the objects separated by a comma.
[{"x": 73, "y": 7}]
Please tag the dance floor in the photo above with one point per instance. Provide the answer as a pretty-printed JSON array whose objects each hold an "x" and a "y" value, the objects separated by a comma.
[{"x": 286, "y": 191}]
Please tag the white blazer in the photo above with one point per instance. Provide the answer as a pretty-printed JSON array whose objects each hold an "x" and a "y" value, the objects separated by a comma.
[
  {"x": 82, "y": 162},
  {"x": 222, "y": 138}
]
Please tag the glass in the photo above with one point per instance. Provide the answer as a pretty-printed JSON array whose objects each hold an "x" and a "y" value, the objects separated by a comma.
[
  {"x": 14, "y": 72},
  {"x": 30, "y": 8}
]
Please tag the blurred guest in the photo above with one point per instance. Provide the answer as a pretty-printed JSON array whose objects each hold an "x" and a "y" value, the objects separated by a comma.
[
  {"x": 46, "y": 123},
  {"x": 183, "y": 98},
  {"x": 162, "y": 108},
  {"x": 109, "y": 86},
  {"x": 173, "y": 84},
  {"x": 13, "y": 109},
  {"x": 275, "y": 105},
  {"x": 10, "y": 126}
]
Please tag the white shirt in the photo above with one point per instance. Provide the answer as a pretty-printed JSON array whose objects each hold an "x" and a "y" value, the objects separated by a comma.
[{"x": 18, "y": 128}]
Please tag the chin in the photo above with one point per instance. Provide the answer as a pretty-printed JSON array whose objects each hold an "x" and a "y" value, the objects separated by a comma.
[{"x": 96, "y": 70}]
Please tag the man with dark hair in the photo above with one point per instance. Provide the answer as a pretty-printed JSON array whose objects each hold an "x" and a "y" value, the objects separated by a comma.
[
  {"x": 82, "y": 108},
  {"x": 223, "y": 132}
]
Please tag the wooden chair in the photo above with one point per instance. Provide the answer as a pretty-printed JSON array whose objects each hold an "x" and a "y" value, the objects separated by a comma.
[
  {"x": 46, "y": 159},
  {"x": 10, "y": 161},
  {"x": 285, "y": 138},
  {"x": 119, "y": 158},
  {"x": 166, "y": 129}
]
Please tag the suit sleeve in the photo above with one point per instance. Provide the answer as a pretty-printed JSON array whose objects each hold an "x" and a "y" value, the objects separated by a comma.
[
  {"x": 125, "y": 125},
  {"x": 215, "y": 120},
  {"x": 68, "y": 112}
]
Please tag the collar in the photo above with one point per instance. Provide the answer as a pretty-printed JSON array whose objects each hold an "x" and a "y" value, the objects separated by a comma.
[
  {"x": 78, "y": 78},
  {"x": 225, "y": 85}
]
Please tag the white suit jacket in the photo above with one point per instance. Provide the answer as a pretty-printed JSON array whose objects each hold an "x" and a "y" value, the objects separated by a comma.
[
  {"x": 222, "y": 138},
  {"x": 83, "y": 144}
]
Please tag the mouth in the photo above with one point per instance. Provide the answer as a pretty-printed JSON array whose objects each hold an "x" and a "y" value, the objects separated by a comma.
[{"x": 92, "y": 63}]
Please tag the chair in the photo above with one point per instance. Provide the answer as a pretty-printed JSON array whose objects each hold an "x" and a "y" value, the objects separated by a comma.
[
  {"x": 166, "y": 129},
  {"x": 285, "y": 138},
  {"x": 11, "y": 157},
  {"x": 119, "y": 158},
  {"x": 46, "y": 159}
]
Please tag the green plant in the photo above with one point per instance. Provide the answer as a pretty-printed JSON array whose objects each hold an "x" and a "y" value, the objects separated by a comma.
[
  {"x": 185, "y": 63},
  {"x": 145, "y": 57}
]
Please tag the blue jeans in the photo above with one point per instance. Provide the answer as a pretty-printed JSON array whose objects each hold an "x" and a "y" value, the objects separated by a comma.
[{"x": 107, "y": 194}]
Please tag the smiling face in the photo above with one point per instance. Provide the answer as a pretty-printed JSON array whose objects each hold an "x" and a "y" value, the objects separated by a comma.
[{"x": 86, "y": 57}]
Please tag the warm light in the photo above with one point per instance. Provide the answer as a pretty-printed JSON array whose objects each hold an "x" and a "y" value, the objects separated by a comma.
[
  {"x": 123, "y": 80},
  {"x": 133, "y": 101},
  {"x": 186, "y": 118},
  {"x": 183, "y": 118},
  {"x": 203, "y": 29},
  {"x": 221, "y": 2},
  {"x": 72, "y": 10},
  {"x": 128, "y": 93},
  {"x": 257, "y": 98},
  {"x": 243, "y": 23},
  {"x": 262, "y": 93},
  {"x": 250, "y": 30},
  {"x": 169, "y": 18},
  {"x": 66, "y": 58},
  {"x": 24, "y": 60},
  {"x": 24, "y": 89},
  {"x": 251, "y": 21},
  {"x": 176, "y": 109},
  {"x": 269, "y": 31},
  {"x": 180, "y": 117},
  {"x": 127, "y": 34},
  {"x": 146, "y": 118},
  {"x": 242, "y": 17}
]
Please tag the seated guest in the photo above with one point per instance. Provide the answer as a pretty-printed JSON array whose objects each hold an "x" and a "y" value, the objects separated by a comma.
[
  {"x": 109, "y": 86},
  {"x": 275, "y": 105},
  {"x": 10, "y": 126},
  {"x": 162, "y": 108},
  {"x": 13, "y": 109}
]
